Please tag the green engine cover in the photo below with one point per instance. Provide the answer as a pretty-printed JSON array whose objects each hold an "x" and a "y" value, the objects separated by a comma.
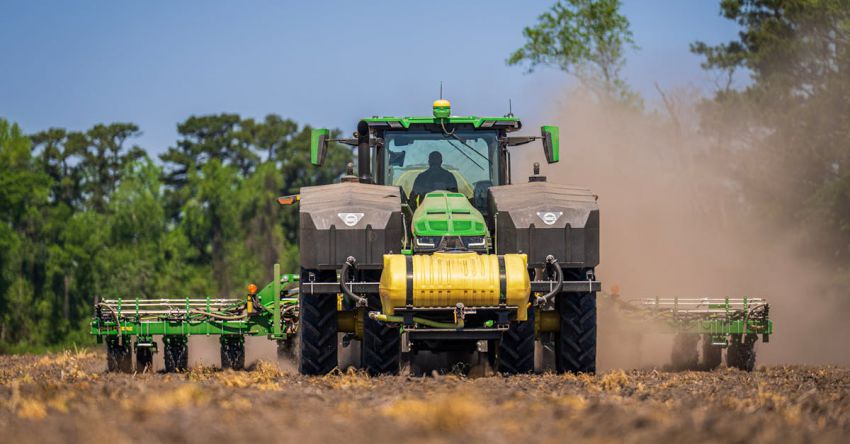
[{"x": 444, "y": 213}]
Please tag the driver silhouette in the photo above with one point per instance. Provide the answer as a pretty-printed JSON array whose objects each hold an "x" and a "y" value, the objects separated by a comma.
[{"x": 434, "y": 178}]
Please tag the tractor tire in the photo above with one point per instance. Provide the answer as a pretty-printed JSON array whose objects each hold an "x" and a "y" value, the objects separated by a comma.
[
  {"x": 119, "y": 357},
  {"x": 516, "y": 349},
  {"x": 575, "y": 347},
  {"x": 711, "y": 354},
  {"x": 175, "y": 353},
  {"x": 380, "y": 352},
  {"x": 685, "y": 354},
  {"x": 232, "y": 352},
  {"x": 317, "y": 334},
  {"x": 741, "y": 353},
  {"x": 144, "y": 359}
]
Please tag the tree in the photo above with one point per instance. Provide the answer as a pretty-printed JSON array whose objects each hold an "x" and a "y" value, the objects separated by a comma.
[
  {"x": 585, "y": 38},
  {"x": 23, "y": 196},
  {"x": 55, "y": 159},
  {"x": 206, "y": 138},
  {"x": 86, "y": 167},
  {"x": 261, "y": 217},
  {"x": 105, "y": 159},
  {"x": 793, "y": 119},
  {"x": 211, "y": 218},
  {"x": 274, "y": 135}
]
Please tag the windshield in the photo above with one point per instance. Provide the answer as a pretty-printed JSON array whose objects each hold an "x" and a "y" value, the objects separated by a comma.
[{"x": 424, "y": 161}]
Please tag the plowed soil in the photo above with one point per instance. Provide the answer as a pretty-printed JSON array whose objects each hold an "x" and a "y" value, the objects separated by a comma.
[{"x": 68, "y": 397}]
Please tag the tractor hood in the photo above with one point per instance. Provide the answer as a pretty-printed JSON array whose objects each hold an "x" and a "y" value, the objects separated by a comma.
[{"x": 446, "y": 220}]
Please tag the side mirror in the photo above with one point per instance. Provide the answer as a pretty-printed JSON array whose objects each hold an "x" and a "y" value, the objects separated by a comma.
[
  {"x": 318, "y": 145},
  {"x": 550, "y": 143}
]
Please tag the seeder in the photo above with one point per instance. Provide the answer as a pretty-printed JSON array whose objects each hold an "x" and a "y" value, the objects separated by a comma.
[
  {"x": 128, "y": 325},
  {"x": 733, "y": 324}
]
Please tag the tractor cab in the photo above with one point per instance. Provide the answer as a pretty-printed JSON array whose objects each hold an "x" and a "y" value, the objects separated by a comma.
[{"x": 465, "y": 161}]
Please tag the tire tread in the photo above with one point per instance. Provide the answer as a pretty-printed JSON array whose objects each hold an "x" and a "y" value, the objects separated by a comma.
[{"x": 575, "y": 347}]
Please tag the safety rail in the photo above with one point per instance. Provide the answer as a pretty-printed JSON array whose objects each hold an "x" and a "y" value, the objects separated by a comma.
[
  {"x": 149, "y": 307},
  {"x": 700, "y": 308}
]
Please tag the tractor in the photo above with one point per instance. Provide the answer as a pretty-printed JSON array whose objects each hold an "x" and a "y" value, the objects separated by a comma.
[{"x": 430, "y": 246}]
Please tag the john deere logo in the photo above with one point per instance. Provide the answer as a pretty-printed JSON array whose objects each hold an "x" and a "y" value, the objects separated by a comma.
[
  {"x": 549, "y": 217},
  {"x": 350, "y": 219}
]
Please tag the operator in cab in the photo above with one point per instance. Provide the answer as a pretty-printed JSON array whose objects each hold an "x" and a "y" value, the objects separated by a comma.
[{"x": 434, "y": 178}]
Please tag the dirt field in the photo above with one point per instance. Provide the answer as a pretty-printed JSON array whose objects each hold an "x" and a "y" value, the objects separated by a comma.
[{"x": 69, "y": 397}]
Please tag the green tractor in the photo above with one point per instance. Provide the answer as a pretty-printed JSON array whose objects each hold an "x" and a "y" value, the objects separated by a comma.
[{"x": 430, "y": 247}]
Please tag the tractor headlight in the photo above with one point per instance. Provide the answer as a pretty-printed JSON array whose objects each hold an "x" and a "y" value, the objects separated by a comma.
[
  {"x": 450, "y": 243},
  {"x": 427, "y": 242},
  {"x": 475, "y": 242}
]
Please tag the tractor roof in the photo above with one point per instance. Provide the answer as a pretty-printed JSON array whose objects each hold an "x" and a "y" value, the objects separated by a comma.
[{"x": 442, "y": 114}]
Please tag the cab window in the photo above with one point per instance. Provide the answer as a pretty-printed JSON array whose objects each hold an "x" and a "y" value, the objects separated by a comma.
[{"x": 417, "y": 161}]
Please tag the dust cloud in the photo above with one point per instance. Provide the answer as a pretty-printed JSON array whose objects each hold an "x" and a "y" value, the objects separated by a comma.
[{"x": 674, "y": 223}]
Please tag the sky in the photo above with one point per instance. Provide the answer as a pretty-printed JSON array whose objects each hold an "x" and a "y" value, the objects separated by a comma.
[{"x": 155, "y": 63}]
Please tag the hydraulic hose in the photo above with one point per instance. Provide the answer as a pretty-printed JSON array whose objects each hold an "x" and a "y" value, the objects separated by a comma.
[
  {"x": 219, "y": 316},
  {"x": 343, "y": 279},
  {"x": 117, "y": 321},
  {"x": 427, "y": 322},
  {"x": 559, "y": 276}
]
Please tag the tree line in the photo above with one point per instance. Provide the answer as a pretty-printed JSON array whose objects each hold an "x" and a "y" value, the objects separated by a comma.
[{"x": 89, "y": 214}]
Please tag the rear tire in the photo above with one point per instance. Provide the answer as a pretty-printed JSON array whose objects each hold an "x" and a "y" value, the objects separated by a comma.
[
  {"x": 380, "y": 352},
  {"x": 118, "y": 355},
  {"x": 232, "y": 352},
  {"x": 175, "y": 353},
  {"x": 516, "y": 349},
  {"x": 317, "y": 334},
  {"x": 575, "y": 347}
]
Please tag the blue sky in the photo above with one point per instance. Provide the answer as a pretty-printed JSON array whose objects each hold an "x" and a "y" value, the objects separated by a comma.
[{"x": 74, "y": 64}]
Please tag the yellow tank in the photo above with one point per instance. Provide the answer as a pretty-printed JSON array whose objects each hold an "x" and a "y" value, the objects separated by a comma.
[{"x": 444, "y": 279}]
